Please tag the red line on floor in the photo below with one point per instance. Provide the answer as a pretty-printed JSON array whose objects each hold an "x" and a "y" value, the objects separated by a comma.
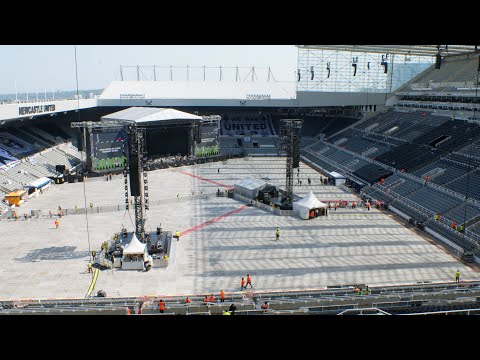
[
  {"x": 211, "y": 181},
  {"x": 210, "y": 222}
]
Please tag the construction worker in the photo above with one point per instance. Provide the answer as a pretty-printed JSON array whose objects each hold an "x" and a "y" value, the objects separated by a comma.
[
  {"x": 367, "y": 204},
  {"x": 94, "y": 253},
  {"x": 50, "y": 214},
  {"x": 56, "y": 223},
  {"x": 249, "y": 281},
  {"x": 205, "y": 299},
  {"x": 354, "y": 204},
  {"x": 178, "y": 195},
  {"x": 89, "y": 266},
  {"x": 242, "y": 284},
  {"x": 222, "y": 296},
  {"x": 457, "y": 276},
  {"x": 226, "y": 312},
  {"x": 277, "y": 234},
  {"x": 187, "y": 300},
  {"x": 312, "y": 214},
  {"x": 460, "y": 228},
  {"x": 329, "y": 206},
  {"x": 177, "y": 235},
  {"x": 436, "y": 217},
  {"x": 161, "y": 306},
  {"x": 211, "y": 298},
  {"x": 454, "y": 225},
  {"x": 265, "y": 306}
]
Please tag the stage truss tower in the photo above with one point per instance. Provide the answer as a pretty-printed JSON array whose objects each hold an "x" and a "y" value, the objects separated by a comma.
[
  {"x": 135, "y": 170},
  {"x": 290, "y": 134}
]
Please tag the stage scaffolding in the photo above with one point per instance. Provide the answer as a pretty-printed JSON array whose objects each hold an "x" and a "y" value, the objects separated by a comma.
[{"x": 330, "y": 70}]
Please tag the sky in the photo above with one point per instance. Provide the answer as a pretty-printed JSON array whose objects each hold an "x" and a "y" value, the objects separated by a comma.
[{"x": 52, "y": 67}]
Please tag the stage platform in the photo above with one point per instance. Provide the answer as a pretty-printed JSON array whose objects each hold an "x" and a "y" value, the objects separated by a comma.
[{"x": 222, "y": 240}]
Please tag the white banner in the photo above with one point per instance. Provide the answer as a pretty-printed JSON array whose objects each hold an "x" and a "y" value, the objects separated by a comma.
[
  {"x": 11, "y": 143},
  {"x": 6, "y": 158}
]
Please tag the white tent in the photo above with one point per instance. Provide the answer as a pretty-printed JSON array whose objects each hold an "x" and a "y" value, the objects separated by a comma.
[
  {"x": 249, "y": 187},
  {"x": 302, "y": 207},
  {"x": 134, "y": 247}
]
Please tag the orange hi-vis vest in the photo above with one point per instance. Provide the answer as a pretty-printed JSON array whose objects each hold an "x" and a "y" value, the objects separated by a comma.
[
  {"x": 161, "y": 305},
  {"x": 222, "y": 295},
  {"x": 243, "y": 282},
  {"x": 249, "y": 279}
]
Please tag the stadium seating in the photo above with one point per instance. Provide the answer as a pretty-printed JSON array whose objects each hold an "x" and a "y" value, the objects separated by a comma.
[
  {"x": 456, "y": 69},
  {"x": 433, "y": 200},
  {"x": 450, "y": 171},
  {"x": 471, "y": 150},
  {"x": 469, "y": 183},
  {"x": 248, "y": 124},
  {"x": 458, "y": 213}
]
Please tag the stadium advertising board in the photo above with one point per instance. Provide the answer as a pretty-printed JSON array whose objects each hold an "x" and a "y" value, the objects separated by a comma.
[
  {"x": 36, "y": 109},
  {"x": 108, "y": 149}
]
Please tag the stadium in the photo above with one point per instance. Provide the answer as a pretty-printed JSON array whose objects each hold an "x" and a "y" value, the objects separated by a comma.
[{"x": 352, "y": 190}]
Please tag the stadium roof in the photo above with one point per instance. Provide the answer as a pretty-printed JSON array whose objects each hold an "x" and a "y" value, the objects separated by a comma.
[
  {"x": 182, "y": 90},
  {"x": 149, "y": 115},
  {"x": 414, "y": 50}
]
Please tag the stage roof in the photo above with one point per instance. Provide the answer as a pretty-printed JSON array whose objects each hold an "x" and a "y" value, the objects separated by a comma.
[
  {"x": 152, "y": 116},
  {"x": 413, "y": 50}
]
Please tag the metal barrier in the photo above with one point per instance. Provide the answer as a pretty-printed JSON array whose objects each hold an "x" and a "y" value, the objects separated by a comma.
[
  {"x": 448, "y": 312},
  {"x": 113, "y": 208},
  {"x": 364, "y": 311}
]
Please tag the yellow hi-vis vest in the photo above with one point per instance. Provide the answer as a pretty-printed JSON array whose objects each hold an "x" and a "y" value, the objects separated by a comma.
[{"x": 177, "y": 234}]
